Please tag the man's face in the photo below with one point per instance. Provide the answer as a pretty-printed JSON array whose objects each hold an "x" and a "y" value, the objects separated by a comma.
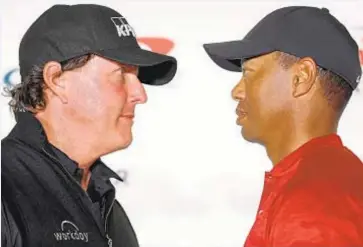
[
  {"x": 102, "y": 96},
  {"x": 264, "y": 94}
]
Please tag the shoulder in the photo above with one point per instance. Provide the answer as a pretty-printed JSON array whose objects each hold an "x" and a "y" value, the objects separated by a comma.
[
  {"x": 12, "y": 148},
  {"x": 333, "y": 157},
  {"x": 323, "y": 198},
  {"x": 317, "y": 205},
  {"x": 11, "y": 156},
  {"x": 121, "y": 228},
  {"x": 120, "y": 213},
  {"x": 326, "y": 181},
  {"x": 329, "y": 169},
  {"x": 14, "y": 151},
  {"x": 19, "y": 163}
]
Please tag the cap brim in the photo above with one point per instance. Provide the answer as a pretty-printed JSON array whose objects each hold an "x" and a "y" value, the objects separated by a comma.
[
  {"x": 229, "y": 55},
  {"x": 154, "y": 68}
]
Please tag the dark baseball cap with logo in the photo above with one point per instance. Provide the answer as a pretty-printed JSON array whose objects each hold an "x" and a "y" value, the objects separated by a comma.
[
  {"x": 67, "y": 31},
  {"x": 300, "y": 31}
]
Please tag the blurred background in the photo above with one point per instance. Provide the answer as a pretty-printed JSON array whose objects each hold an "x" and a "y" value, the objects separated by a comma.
[{"x": 192, "y": 181}]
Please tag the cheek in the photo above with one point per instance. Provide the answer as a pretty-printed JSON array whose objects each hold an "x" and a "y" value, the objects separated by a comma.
[
  {"x": 86, "y": 100},
  {"x": 255, "y": 98},
  {"x": 271, "y": 97},
  {"x": 114, "y": 97},
  {"x": 112, "y": 100},
  {"x": 264, "y": 99},
  {"x": 274, "y": 101},
  {"x": 96, "y": 101}
]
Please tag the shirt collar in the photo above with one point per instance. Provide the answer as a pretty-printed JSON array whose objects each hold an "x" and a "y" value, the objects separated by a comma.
[
  {"x": 99, "y": 185},
  {"x": 29, "y": 130},
  {"x": 98, "y": 170},
  {"x": 290, "y": 161}
]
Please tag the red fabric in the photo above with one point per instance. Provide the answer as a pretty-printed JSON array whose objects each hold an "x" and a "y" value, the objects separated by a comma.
[{"x": 313, "y": 197}]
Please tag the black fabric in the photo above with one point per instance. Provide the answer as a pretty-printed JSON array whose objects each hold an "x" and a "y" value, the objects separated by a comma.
[
  {"x": 98, "y": 187},
  {"x": 300, "y": 31},
  {"x": 44, "y": 205},
  {"x": 66, "y": 31}
]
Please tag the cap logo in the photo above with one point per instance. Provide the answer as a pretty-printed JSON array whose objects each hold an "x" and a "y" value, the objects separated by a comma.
[{"x": 122, "y": 27}]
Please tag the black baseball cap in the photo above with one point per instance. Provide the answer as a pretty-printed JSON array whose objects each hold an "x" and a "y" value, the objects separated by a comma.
[
  {"x": 300, "y": 31},
  {"x": 67, "y": 31}
]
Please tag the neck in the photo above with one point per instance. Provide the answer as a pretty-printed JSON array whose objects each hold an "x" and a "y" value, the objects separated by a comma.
[
  {"x": 285, "y": 142},
  {"x": 68, "y": 138}
]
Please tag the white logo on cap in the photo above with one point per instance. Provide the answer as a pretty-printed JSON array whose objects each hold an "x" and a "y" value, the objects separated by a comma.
[
  {"x": 123, "y": 29},
  {"x": 358, "y": 79}
]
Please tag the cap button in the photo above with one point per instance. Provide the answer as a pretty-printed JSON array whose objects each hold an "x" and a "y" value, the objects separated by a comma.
[{"x": 325, "y": 10}]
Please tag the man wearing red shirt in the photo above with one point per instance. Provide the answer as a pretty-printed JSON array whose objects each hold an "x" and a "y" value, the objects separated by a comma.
[{"x": 300, "y": 66}]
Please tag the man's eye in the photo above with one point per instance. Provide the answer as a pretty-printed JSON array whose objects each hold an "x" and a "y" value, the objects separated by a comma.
[
  {"x": 118, "y": 77},
  {"x": 244, "y": 73},
  {"x": 122, "y": 78}
]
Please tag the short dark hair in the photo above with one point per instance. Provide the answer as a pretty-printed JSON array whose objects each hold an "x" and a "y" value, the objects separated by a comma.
[
  {"x": 335, "y": 89},
  {"x": 29, "y": 94}
]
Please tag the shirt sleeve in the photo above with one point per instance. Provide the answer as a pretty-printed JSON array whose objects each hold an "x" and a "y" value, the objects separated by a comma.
[{"x": 316, "y": 215}]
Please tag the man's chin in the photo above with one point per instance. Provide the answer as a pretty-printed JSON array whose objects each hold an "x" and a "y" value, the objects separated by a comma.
[
  {"x": 120, "y": 145},
  {"x": 125, "y": 143},
  {"x": 249, "y": 136}
]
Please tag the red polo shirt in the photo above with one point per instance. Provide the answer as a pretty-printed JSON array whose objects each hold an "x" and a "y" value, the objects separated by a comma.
[{"x": 313, "y": 197}]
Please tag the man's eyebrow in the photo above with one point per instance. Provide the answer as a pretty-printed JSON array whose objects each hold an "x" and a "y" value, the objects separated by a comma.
[
  {"x": 124, "y": 69},
  {"x": 247, "y": 67},
  {"x": 115, "y": 70}
]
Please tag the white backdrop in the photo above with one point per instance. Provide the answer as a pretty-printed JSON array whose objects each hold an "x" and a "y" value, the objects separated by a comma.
[{"x": 193, "y": 181}]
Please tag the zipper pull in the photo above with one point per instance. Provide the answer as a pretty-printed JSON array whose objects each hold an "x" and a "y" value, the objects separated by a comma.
[{"x": 109, "y": 241}]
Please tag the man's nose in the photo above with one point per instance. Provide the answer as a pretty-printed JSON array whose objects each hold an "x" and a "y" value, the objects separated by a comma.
[
  {"x": 238, "y": 92},
  {"x": 135, "y": 89}
]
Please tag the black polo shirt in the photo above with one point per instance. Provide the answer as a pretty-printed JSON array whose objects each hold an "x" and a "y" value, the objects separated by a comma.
[
  {"x": 99, "y": 188},
  {"x": 42, "y": 202}
]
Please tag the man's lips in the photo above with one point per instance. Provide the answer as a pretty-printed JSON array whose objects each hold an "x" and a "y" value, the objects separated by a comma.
[
  {"x": 240, "y": 112},
  {"x": 128, "y": 116},
  {"x": 241, "y": 116}
]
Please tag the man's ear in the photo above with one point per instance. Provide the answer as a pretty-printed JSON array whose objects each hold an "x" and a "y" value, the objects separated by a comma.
[
  {"x": 305, "y": 76},
  {"x": 52, "y": 72}
]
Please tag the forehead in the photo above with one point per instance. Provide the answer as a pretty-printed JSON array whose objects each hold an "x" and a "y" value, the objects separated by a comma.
[
  {"x": 102, "y": 63},
  {"x": 259, "y": 61}
]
